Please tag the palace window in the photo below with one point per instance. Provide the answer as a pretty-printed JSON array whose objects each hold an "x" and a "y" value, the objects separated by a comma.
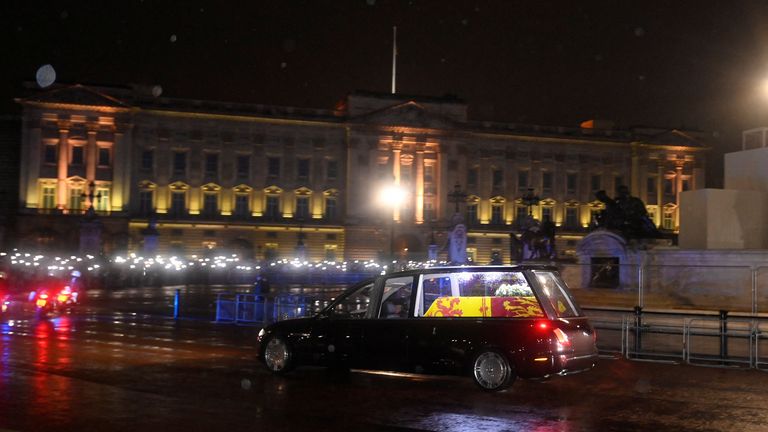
[
  {"x": 596, "y": 182},
  {"x": 572, "y": 217},
  {"x": 497, "y": 214},
  {"x": 472, "y": 213},
  {"x": 546, "y": 214},
  {"x": 571, "y": 182},
  {"x": 179, "y": 162},
  {"x": 78, "y": 156},
  {"x": 145, "y": 202},
  {"x": 147, "y": 159},
  {"x": 332, "y": 169},
  {"x": 241, "y": 206},
  {"x": 651, "y": 186},
  {"x": 104, "y": 156},
  {"x": 273, "y": 207},
  {"x": 75, "y": 199},
  {"x": 498, "y": 178},
  {"x": 49, "y": 197},
  {"x": 50, "y": 154},
  {"x": 210, "y": 204},
  {"x": 546, "y": 182},
  {"x": 302, "y": 170},
  {"x": 273, "y": 167},
  {"x": 243, "y": 166},
  {"x": 668, "y": 223},
  {"x": 522, "y": 180},
  {"x": 102, "y": 200},
  {"x": 302, "y": 208},
  {"x": 178, "y": 204},
  {"x": 330, "y": 208},
  {"x": 472, "y": 177},
  {"x": 211, "y": 164},
  {"x": 521, "y": 213}
]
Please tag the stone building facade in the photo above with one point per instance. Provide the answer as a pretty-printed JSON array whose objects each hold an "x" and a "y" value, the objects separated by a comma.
[{"x": 274, "y": 182}]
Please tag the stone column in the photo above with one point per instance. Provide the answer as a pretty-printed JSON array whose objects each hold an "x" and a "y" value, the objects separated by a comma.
[
  {"x": 659, "y": 193},
  {"x": 678, "y": 189},
  {"x": 635, "y": 173},
  {"x": 91, "y": 156},
  {"x": 61, "y": 189},
  {"x": 396, "y": 148},
  {"x": 419, "y": 217}
]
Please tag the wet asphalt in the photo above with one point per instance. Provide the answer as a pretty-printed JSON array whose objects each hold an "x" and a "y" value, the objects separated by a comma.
[{"x": 103, "y": 370}]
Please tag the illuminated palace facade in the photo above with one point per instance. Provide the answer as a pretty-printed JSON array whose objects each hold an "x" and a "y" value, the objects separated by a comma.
[{"x": 263, "y": 180}]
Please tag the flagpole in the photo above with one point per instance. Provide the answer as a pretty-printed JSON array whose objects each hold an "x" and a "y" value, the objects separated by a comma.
[{"x": 394, "y": 57}]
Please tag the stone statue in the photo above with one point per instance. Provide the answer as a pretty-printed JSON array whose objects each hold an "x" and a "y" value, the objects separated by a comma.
[
  {"x": 625, "y": 214},
  {"x": 539, "y": 241},
  {"x": 457, "y": 240}
]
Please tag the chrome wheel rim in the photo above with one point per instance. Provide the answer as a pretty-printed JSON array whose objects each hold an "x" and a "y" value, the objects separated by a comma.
[
  {"x": 491, "y": 370},
  {"x": 276, "y": 354}
]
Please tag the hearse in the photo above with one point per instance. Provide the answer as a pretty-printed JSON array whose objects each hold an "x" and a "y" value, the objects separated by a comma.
[{"x": 493, "y": 323}]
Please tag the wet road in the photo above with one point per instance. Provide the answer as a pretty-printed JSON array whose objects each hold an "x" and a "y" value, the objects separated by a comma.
[{"x": 112, "y": 371}]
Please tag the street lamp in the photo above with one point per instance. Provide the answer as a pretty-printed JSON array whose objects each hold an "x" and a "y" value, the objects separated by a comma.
[
  {"x": 392, "y": 196},
  {"x": 88, "y": 197},
  {"x": 457, "y": 196},
  {"x": 530, "y": 200}
]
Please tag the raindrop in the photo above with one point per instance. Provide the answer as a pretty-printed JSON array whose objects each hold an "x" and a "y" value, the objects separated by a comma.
[
  {"x": 173, "y": 38},
  {"x": 641, "y": 77},
  {"x": 639, "y": 31},
  {"x": 370, "y": 2},
  {"x": 464, "y": 22},
  {"x": 45, "y": 76},
  {"x": 245, "y": 384},
  {"x": 64, "y": 14},
  {"x": 283, "y": 65},
  {"x": 157, "y": 90}
]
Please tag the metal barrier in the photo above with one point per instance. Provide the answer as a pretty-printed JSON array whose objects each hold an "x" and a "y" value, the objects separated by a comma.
[
  {"x": 722, "y": 332},
  {"x": 761, "y": 361},
  {"x": 654, "y": 338},
  {"x": 241, "y": 308}
]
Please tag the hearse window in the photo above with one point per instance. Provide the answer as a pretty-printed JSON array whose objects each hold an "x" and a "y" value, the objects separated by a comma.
[
  {"x": 480, "y": 294},
  {"x": 356, "y": 304},
  {"x": 396, "y": 299},
  {"x": 434, "y": 287},
  {"x": 553, "y": 292}
]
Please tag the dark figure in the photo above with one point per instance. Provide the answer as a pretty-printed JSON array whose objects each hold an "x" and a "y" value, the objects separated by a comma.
[
  {"x": 626, "y": 214},
  {"x": 538, "y": 244},
  {"x": 515, "y": 248},
  {"x": 261, "y": 287}
]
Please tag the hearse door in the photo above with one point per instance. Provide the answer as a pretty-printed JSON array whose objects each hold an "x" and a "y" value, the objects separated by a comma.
[
  {"x": 385, "y": 338},
  {"x": 430, "y": 340},
  {"x": 338, "y": 336}
]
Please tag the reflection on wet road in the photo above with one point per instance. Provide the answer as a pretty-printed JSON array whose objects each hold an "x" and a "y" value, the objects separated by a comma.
[{"x": 100, "y": 371}]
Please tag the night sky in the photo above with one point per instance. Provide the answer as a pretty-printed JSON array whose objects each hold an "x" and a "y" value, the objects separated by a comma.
[{"x": 692, "y": 64}]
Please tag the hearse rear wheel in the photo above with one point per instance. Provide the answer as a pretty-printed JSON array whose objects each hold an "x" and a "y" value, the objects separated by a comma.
[
  {"x": 491, "y": 371},
  {"x": 278, "y": 355}
]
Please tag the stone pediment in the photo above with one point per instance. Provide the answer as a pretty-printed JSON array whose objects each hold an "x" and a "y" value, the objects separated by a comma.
[
  {"x": 77, "y": 95},
  {"x": 408, "y": 114},
  {"x": 676, "y": 138}
]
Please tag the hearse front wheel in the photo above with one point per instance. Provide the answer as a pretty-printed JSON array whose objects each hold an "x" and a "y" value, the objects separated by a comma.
[
  {"x": 278, "y": 355},
  {"x": 491, "y": 371}
]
